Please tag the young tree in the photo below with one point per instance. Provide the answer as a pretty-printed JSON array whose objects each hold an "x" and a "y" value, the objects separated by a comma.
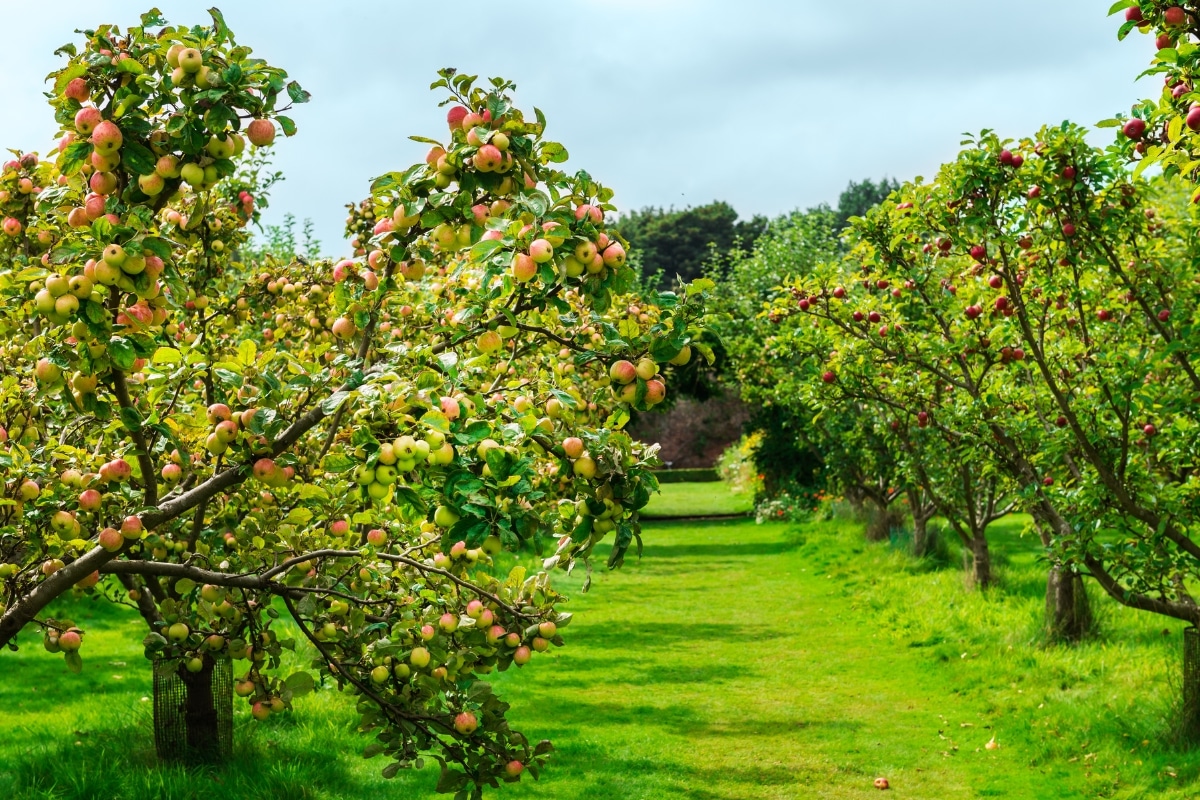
[{"x": 218, "y": 442}]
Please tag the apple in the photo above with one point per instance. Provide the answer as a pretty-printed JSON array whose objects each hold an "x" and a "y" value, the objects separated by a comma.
[
  {"x": 514, "y": 769},
  {"x": 419, "y": 657},
  {"x": 89, "y": 500},
  {"x": 260, "y": 132},
  {"x": 77, "y": 90},
  {"x": 107, "y": 138},
  {"x": 547, "y": 629},
  {"x": 70, "y": 640},
  {"x": 646, "y": 369},
  {"x": 376, "y": 537},
  {"x": 524, "y": 268},
  {"x": 445, "y": 517},
  {"x": 218, "y": 412},
  {"x": 86, "y": 120},
  {"x": 522, "y": 655},
  {"x": 178, "y": 632},
  {"x": 110, "y": 539},
  {"x": 585, "y": 467},
  {"x": 265, "y": 470},
  {"x": 614, "y": 255},
  {"x": 1174, "y": 16},
  {"x": 465, "y": 723},
  {"x": 62, "y": 521},
  {"x": 682, "y": 357},
  {"x": 828, "y": 377},
  {"x": 656, "y": 392},
  {"x": 541, "y": 251},
  {"x": 131, "y": 527},
  {"x": 1193, "y": 118},
  {"x": 623, "y": 372},
  {"x": 573, "y": 446}
]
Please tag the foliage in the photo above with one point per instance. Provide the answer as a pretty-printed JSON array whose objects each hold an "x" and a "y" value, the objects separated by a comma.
[
  {"x": 284, "y": 243},
  {"x": 677, "y": 245},
  {"x": 1032, "y": 311},
  {"x": 859, "y": 197},
  {"x": 221, "y": 442},
  {"x": 1162, "y": 130}
]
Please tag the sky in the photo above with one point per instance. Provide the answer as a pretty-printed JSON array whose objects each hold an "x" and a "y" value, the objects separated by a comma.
[{"x": 769, "y": 105}]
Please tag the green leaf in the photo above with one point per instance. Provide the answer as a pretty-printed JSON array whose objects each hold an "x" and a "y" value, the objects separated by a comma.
[
  {"x": 287, "y": 124},
  {"x": 184, "y": 585},
  {"x": 554, "y": 152},
  {"x": 298, "y": 516},
  {"x": 330, "y": 404},
  {"x": 484, "y": 248},
  {"x": 247, "y": 352},
  {"x": 338, "y": 463},
  {"x": 157, "y": 246},
  {"x": 220, "y": 29},
  {"x": 121, "y": 351},
  {"x": 131, "y": 66},
  {"x": 137, "y": 157},
  {"x": 74, "y": 661},
  {"x": 300, "y": 683},
  {"x": 297, "y": 94},
  {"x": 436, "y": 420},
  {"x": 166, "y": 355},
  {"x": 74, "y": 157},
  {"x": 131, "y": 419}
]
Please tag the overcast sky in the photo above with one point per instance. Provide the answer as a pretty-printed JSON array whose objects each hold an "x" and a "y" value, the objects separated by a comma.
[{"x": 767, "y": 104}]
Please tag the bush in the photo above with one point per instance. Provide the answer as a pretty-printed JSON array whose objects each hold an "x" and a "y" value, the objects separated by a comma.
[{"x": 736, "y": 465}]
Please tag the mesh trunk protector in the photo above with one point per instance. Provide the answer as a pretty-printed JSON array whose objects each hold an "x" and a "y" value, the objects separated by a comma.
[{"x": 193, "y": 711}]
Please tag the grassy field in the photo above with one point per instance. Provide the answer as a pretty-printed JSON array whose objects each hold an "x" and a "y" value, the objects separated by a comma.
[
  {"x": 696, "y": 500},
  {"x": 733, "y": 661}
]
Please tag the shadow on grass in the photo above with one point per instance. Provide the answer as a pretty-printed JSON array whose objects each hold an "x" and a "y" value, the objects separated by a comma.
[
  {"x": 729, "y": 551},
  {"x": 119, "y": 762}
]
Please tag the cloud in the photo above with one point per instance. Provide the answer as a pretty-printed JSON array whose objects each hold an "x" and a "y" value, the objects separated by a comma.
[{"x": 768, "y": 104}]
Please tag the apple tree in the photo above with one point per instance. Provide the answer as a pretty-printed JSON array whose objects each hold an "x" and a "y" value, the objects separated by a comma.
[{"x": 224, "y": 443}]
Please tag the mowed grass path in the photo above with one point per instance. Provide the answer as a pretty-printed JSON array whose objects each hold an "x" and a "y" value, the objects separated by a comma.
[
  {"x": 732, "y": 661},
  {"x": 712, "y": 499}
]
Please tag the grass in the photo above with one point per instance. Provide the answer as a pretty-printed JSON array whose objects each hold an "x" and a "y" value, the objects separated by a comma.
[
  {"x": 697, "y": 500},
  {"x": 733, "y": 661}
]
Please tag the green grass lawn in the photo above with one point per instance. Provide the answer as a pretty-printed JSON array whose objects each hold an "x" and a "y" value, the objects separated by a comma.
[
  {"x": 697, "y": 500},
  {"x": 732, "y": 661}
]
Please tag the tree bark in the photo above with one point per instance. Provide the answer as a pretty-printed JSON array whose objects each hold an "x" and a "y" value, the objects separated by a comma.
[
  {"x": 881, "y": 519},
  {"x": 920, "y": 534},
  {"x": 1068, "y": 611},
  {"x": 981, "y": 562}
]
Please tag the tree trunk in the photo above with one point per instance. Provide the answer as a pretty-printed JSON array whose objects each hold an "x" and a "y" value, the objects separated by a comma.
[
  {"x": 981, "y": 562},
  {"x": 187, "y": 721},
  {"x": 880, "y": 521},
  {"x": 1189, "y": 722},
  {"x": 920, "y": 534},
  {"x": 1068, "y": 612}
]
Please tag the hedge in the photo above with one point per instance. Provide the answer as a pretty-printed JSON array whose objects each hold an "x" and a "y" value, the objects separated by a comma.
[{"x": 707, "y": 475}]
